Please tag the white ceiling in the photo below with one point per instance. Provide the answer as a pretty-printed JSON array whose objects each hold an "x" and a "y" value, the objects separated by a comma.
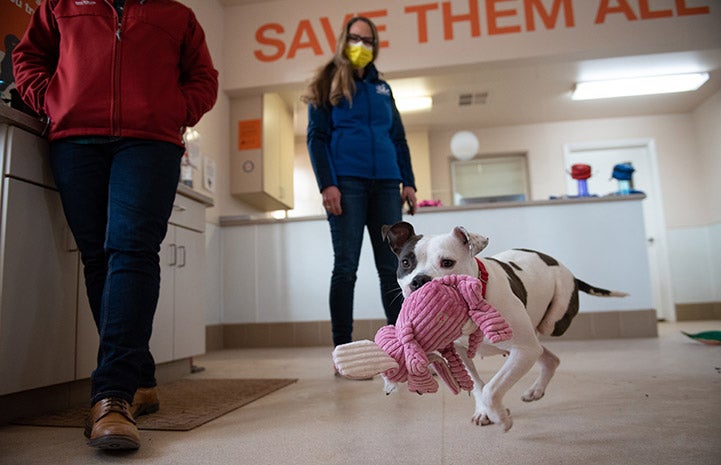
[
  {"x": 526, "y": 93},
  {"x": 531, "y": 91}
]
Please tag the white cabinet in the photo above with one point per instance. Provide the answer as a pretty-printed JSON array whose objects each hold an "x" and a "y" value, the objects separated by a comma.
[
  {"x": 47, "y": 333},
  {"x": 262, "y": 171},
  {"x": 38, "y": 270},
  {"x": 179, "y": 325},
  {"x": 189, "y": 285}
]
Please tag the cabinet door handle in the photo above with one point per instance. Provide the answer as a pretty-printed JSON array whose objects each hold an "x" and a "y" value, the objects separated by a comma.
[
  {"x": 181, "y": 250},
  {"x": 179, "y": 208},
  {"x": 173, "y": 255}
]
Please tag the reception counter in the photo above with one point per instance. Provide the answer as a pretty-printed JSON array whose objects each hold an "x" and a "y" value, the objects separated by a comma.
[{"x": 277, "y": 272}]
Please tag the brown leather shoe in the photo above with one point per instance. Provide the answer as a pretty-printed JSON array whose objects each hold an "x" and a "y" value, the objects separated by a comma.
[
  {"x": 113, "y": 427},
  {"x": 145, "y": 402}
]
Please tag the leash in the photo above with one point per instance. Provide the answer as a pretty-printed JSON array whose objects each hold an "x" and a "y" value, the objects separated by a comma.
[{"x": 483, "y": 276}]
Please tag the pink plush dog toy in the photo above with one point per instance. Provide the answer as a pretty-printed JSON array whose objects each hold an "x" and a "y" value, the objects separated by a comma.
[{"x": 431, "y": 318}]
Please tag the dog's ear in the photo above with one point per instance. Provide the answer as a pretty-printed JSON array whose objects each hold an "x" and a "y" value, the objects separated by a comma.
[
  {"x": 474, "y": 242},
  {"x": 397, "y": 235}
]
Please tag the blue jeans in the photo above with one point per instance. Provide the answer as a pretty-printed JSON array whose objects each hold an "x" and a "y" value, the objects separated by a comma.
[
  {"x": 370, "y": 204},
  {"x": 117, "y": 198}
]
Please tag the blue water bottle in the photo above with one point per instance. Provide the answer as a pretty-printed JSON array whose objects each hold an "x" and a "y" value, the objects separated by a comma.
[{"x": 623, "y": 173}]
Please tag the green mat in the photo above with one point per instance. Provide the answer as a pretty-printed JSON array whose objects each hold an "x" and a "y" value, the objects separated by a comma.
[{"x": 707, "y": 337}]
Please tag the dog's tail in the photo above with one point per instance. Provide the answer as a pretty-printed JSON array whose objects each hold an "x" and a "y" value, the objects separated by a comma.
[{"x": 597, "y": 291}]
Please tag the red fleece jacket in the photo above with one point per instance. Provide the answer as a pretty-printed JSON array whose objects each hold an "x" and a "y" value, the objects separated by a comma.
[{"x": 147, "y": 76}]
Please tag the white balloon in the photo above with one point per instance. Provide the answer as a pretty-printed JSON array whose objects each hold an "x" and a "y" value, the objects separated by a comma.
[{"x": 464, "y": 145}]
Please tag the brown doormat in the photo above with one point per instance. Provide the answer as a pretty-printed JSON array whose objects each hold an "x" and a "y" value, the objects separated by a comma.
[{"x": 184, "y": 404}]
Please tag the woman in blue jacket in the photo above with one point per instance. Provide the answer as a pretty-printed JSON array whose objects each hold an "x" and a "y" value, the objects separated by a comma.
[{"x": 360, "y": 157}]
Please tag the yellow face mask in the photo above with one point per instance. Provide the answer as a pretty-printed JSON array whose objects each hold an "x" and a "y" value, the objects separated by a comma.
[{"x": 358, "y": 54}]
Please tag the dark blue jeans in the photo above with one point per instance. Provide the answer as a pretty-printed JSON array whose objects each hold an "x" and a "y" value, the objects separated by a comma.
[
  {"x": 367, "y": 204},
  {"x": 117, "y": 197}
]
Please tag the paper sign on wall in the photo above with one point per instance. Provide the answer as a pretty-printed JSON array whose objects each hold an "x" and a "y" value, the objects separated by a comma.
[
  {"x": 249, "y": 134},
  {"x": 209, "y": 174}
]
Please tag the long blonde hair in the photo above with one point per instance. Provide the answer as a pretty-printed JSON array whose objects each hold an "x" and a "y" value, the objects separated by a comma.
[{"x": 334, "y": 80}]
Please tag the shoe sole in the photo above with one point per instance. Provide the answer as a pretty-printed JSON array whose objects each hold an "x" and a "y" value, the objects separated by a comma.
[{"x": 114, "y": 442}]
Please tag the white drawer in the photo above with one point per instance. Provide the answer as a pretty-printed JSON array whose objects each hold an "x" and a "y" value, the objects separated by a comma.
[
  {"x": 188, "y": 213},
  {"x": 27, "y": 157}
]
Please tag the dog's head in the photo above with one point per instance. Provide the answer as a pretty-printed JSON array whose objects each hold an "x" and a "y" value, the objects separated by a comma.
[{"x": 423, "y": 257}]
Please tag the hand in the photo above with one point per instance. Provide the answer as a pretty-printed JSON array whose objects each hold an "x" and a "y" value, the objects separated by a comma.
[
  {"x": 331, "y": 200},
  {"x": 409, "y": 196}
]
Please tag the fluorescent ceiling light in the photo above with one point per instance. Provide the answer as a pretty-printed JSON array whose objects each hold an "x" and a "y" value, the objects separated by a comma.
[
  {"x": 638, "y": 86},
  {"x": 414, "y": 103}
]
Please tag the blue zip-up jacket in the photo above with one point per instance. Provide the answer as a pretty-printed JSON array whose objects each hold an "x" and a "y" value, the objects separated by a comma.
[{"x": 365, "y": 140}]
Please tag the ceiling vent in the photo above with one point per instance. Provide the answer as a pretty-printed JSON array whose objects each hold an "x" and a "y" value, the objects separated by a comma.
[{"x": 478, "y": 98}]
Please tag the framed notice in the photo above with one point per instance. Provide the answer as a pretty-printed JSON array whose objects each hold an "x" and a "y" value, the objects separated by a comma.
[{"x": 250, "y": 132}]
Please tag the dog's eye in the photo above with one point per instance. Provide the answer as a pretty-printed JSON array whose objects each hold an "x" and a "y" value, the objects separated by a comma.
[
  {"x": 405, "y": 263},
  {"x": 447, "y": 263}
]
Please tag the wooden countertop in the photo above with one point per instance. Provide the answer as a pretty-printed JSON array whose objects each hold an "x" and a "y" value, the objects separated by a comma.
[
  {"x": 195, "y": 195},
  {"x": 22, "y": 120}
]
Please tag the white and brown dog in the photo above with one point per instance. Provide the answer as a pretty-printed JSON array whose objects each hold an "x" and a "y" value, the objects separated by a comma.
[{"x": 533, "y": 292}]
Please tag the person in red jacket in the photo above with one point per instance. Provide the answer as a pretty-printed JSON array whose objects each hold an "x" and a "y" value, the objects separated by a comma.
[{"x": 117, "y": 82}]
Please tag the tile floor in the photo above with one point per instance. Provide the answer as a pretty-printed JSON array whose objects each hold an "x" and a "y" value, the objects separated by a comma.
[{"x": 624, "y": 401}]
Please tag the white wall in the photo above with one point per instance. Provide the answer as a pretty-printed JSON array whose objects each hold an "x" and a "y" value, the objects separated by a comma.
[
  {"x": 418, "y": 144},
  {"x": 707, "y": 128},
  {"x": 715, "y": 257},
  {"x": 214, "y": 127},
  {"x": 213, "y": 272},
  {"x": 675, "y": 142},
  {"x": 695, "y": 248},
  {"x": 695, "y": 254}
]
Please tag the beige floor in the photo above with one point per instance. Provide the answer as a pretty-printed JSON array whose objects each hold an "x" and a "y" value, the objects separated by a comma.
[{"x": 632, "y": 401}]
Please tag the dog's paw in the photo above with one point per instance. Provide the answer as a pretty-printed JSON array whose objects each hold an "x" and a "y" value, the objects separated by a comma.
[
  {"x": 533, "y": 393},
  {"x": 504, "y": 419},
  {"x": 389, "y": 386},
  {"x": 481, "y": 419}
]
